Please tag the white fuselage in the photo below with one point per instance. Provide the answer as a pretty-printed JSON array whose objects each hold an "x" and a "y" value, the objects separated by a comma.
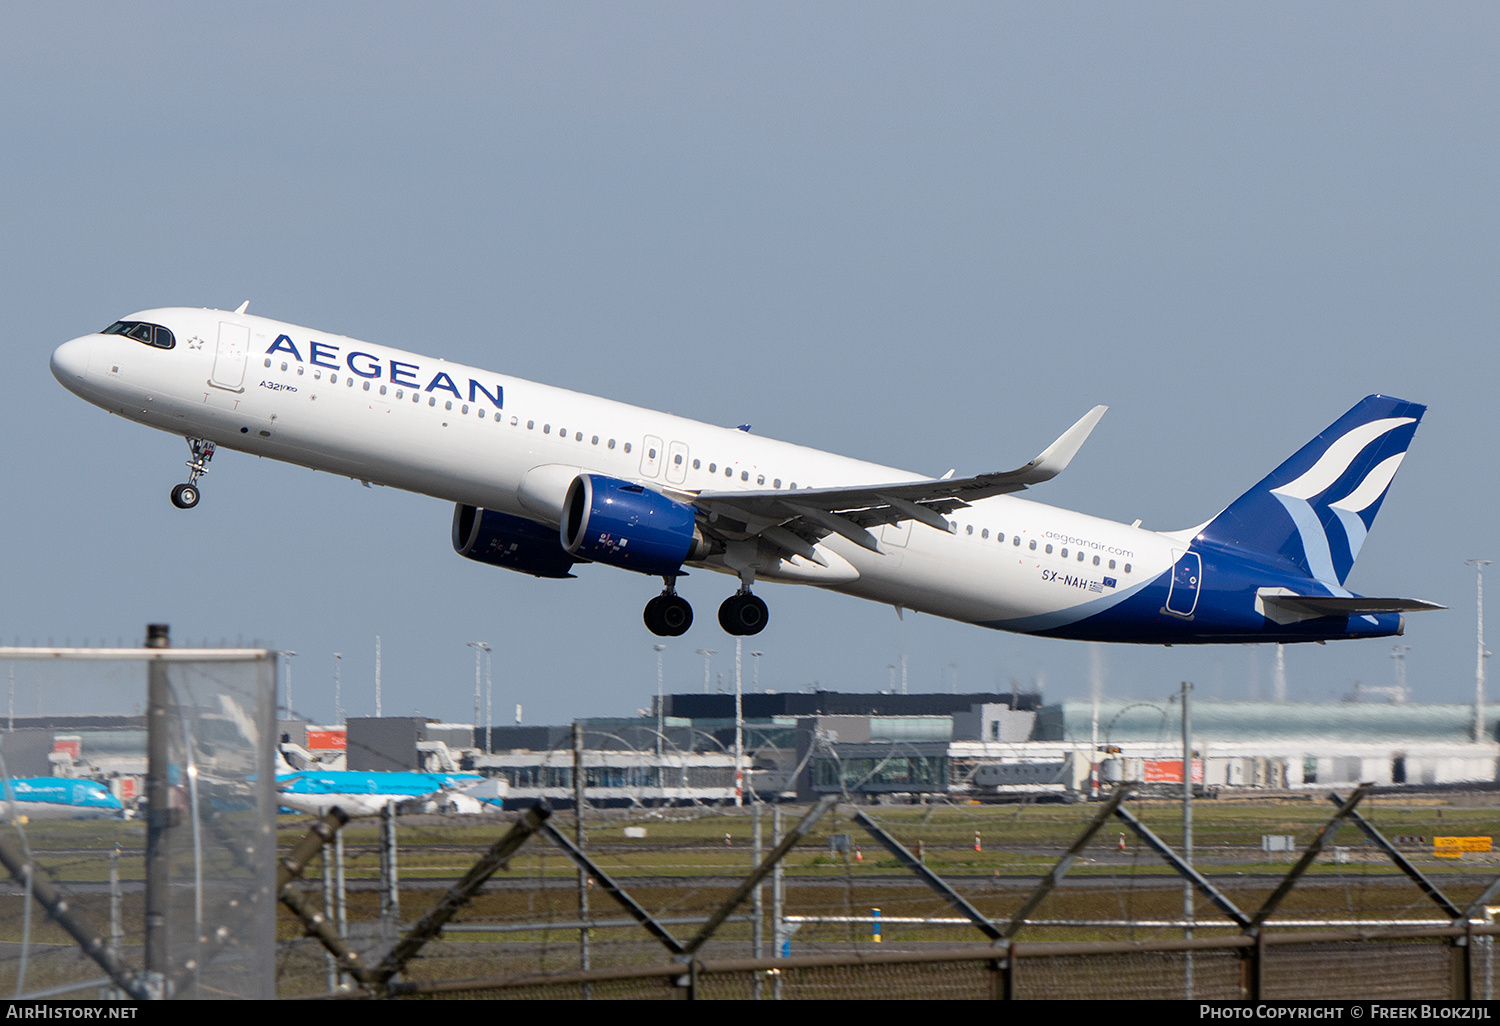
[{"x": 476, "y": 437}]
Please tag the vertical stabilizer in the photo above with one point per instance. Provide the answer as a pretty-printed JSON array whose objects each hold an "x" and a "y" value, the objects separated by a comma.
[{"x": 1312, "y": 513}]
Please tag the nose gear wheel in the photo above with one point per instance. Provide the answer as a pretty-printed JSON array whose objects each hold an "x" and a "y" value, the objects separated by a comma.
[{"x": 185, "y": 496}]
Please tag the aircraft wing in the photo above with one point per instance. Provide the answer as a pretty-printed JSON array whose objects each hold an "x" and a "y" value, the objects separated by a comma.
[{"x": 795, "y": 520}]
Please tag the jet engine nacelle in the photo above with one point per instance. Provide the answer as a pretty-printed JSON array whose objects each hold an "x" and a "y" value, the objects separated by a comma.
[
  {"x": 515, "y": 543},
  {"x": 629, "y": 526}
]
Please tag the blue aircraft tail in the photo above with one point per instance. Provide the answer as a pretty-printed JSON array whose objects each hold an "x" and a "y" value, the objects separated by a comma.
[{"x": 1312, "y": 513}]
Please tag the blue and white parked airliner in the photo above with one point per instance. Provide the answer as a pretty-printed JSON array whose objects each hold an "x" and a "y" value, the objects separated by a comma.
[{"x": 544, "y": 478}]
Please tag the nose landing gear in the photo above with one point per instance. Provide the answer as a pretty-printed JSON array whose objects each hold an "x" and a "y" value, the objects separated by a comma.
[
  {"x": 668, "y": 615},
  {"x": 185, "y": 496}
]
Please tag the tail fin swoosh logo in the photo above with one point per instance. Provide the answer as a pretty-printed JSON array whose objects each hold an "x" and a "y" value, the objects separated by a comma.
[{"x": 1311, "y": 503}]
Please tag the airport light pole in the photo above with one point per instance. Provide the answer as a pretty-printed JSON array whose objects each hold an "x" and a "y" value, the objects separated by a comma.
[
  {"x": 658, "y": 649},
  {"x": 739, "y": 727},
  {"x": 1479, "y": 731},
  {"x": 707, "y": 654},
  {"x": 480, "y": 648},
  {"x": 338, "y": 688},
  {"x": 1400, "y": 692},
  {"x": 288, "y": 656}
]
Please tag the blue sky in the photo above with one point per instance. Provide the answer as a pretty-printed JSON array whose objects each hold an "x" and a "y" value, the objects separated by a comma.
[{"x": 929, "y": 235}]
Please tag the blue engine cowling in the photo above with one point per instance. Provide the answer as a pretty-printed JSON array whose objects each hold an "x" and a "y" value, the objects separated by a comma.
[
  {"x": 629, "y": 526},
  {"x": 515, "y": 543}
]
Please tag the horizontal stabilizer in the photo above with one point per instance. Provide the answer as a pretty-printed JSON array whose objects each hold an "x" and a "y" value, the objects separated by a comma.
[{"x": 1283, "y": 606}]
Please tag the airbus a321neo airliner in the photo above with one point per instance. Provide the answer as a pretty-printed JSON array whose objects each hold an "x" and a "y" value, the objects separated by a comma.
[{"x": 544, "y": 478}]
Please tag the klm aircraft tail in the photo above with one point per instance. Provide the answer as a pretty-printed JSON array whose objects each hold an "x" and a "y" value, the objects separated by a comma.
[{"x": 1312, "y": 513}]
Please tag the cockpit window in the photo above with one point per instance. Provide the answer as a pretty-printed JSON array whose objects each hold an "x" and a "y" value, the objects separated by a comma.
[{"x": 147, "y": 334}]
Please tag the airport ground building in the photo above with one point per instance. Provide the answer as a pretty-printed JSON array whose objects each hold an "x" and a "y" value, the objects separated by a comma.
[
  {"x": 895, "y": 747},
  {"x": 871, "y": 746}
]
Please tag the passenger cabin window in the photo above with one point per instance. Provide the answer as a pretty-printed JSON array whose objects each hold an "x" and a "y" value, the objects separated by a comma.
[
  {"x": 1064, "y": 551},
  {"x": 1111, "y": 564},
  {"x": 1033, "y": 545},
  {"x": 627, "y": 446},
  {"x": 1127, "y": 568},
  {"x": 1096, "y": 560},
  {"x": 985, "y": 533},
  {"x": 713, "y": 468},
  {"x": 146, "y": 334},
  {"x": 744, "y": 475},
  {"x": 611, "y": 443},
  {"x": 697, "y": 464},
  {"x": 776, "y": 483},
  {"x": 1080, "y": 558},
  {"x": 971, "y": 529},
  {"x": 1049, "y": 548}
]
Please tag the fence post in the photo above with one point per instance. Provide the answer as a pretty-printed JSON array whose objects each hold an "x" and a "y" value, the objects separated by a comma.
[
  {"x": 758, "y": 928},
  {"x": 780, "y": 942},
  {"x": 1461, "y": 958},
  {"x": 580, "y": 781},
  {"x": 1252, "y": 967},
  {"x": 158, "y": 811},
  {"x": 328, "y": 913},
  {"x": 1004, "y": 973},
  {"x": 390, "y": 885}
]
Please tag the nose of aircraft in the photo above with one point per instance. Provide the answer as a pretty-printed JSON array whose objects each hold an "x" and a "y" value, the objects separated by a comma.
[{"x": 70, "y": 361}]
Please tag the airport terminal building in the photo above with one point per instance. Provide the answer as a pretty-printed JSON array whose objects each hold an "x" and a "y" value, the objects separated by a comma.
[{"x": 872, "y": 747}]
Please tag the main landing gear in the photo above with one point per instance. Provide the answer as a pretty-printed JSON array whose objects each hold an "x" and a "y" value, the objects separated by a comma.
[
  {"x": 185, "y": 496},
  {"x": 743, "y": 614},
  {"x": 668, "y": 615}
]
